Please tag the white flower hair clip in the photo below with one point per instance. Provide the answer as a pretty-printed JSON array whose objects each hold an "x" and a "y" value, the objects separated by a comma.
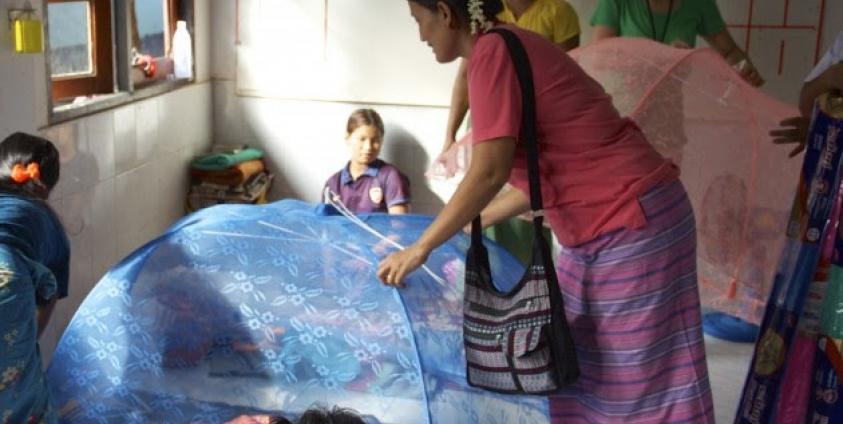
[{"x": 477, "y": 17}]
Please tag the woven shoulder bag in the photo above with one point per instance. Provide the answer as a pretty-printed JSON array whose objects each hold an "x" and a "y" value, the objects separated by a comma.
[{"x": 518, "y": 342}]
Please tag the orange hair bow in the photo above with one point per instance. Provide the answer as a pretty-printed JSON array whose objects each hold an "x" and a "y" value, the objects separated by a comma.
[{"x": 21, "y": 175}]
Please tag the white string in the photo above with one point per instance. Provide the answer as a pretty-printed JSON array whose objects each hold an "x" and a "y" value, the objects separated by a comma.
[
  {"x": 313, "y": 239},
  {"x": 332, "y": 199}
]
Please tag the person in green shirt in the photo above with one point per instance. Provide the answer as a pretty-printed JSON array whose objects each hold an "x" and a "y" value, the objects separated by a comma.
[{"x": 673, "y": 22}]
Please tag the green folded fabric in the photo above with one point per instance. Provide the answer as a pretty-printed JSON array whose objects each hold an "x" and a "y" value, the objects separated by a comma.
[{"x": 225, "y": 160}]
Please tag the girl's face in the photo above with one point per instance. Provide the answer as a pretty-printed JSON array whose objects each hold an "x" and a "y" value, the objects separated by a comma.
[
  {"x": 439, "y": 29},
  {"x": 365, "y": 144}
]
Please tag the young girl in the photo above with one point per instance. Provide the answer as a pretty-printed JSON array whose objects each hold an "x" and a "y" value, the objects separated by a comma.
[
  {"x": 627, "y": 269},
  {"x": 368, "y": 184},
  {"x": 34, "y": 259}
]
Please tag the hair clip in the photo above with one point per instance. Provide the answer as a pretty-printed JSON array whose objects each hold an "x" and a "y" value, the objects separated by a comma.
[
  {"x": 477, "y": 17},
  {"x": 20, "y": 175}
]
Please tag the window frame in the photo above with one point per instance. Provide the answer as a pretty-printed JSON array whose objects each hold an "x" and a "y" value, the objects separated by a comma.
[
  {"x": 123, "y": 88},
  {"x": 101, "y": 81}
]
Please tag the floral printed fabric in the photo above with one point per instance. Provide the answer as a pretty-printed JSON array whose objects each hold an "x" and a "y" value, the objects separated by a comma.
[
  {"x": 269, "y": 309},
  {"x": 23, "y": 390}
]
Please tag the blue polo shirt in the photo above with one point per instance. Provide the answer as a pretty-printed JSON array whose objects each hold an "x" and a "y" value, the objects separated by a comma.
[{"x": 376, "y": 190}]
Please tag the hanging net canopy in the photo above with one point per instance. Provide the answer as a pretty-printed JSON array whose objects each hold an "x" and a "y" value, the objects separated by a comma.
[
  {"x": 696, "y": 110},
  {"x": 270, "y": 309}
]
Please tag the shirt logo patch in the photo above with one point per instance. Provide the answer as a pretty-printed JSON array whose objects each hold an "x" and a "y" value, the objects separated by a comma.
[{"x": 376, "y": 195}]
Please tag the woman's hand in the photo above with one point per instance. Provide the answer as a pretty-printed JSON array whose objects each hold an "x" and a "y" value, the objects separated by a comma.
[
  {"x": 749, "y": 73},
  {"x": 792, "y": 131},
  {"x": 398, "y": 265}
]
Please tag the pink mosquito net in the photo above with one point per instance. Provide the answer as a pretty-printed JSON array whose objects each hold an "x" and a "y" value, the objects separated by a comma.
[{"x": 697, "y": 111}]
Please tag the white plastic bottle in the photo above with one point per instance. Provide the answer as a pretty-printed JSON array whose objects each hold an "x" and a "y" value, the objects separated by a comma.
[{"x": 182, "y": 52}]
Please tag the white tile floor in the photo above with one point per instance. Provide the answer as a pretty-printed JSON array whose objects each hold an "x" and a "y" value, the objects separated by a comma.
[{"x": 727, "y": 366}]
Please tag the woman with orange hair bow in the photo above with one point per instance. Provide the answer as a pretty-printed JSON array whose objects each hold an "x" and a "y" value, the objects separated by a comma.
[{"x": 34, "y": 262}]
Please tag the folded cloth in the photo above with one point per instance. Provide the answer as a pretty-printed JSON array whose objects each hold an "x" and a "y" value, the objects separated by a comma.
[
  {"x": 253, "y": 191},
  {"x": 234, "y": 176},
  {"x": 222, "y": 161},
  {"x": 242, "y": 191}
]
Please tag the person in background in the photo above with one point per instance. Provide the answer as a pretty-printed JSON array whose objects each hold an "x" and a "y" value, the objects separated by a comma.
[
  {"x": 627, "y": 268},
  {"x": 367, "y": 184},
  {"x": 673, "y": 22},
  {"x": 34, "y": 264},
  {"x": 826, "y": 76}
]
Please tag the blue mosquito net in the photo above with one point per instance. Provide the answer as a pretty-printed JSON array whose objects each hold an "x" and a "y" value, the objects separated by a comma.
[{"x": 271, "y": 309}]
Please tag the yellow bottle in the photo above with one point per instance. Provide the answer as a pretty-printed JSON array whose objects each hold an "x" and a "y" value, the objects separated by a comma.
[{"x": 28, "y": 35}]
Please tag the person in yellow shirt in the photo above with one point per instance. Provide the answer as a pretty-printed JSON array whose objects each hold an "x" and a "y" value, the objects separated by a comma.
[{"x": 556, "y": 20}]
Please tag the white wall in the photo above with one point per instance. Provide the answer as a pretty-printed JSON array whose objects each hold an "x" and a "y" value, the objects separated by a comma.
[
  {"x": 304, "y": 137},
  {"x": 124, "y": 174}
]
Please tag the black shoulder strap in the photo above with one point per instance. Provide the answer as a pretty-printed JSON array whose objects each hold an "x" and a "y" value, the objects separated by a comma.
[{"x": 528, "y": 133}]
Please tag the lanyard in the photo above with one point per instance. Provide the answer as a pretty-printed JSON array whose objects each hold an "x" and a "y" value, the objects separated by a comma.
[{"x": 653, "y": 21}]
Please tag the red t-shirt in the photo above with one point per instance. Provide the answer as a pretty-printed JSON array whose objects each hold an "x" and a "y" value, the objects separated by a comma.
[{"x": 594, "y": 164}]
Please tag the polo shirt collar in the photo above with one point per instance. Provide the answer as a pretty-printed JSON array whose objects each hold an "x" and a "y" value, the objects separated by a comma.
[{"x": 371, "y": 171}]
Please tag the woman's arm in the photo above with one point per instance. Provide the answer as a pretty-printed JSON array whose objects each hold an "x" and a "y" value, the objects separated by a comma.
[
  {"x": 602, "y": 32},
  {"x": 724, "y": 44},
  {"x": 831, "y": 79},
  {"x": 510, "y": 203},
  {"x": 491, "y": 163},
  {"x": 459, "y": 105}
]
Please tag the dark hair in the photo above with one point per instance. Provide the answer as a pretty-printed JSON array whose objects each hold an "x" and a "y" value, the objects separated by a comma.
[
  {"x": 491, "y": 8},
  {"x": 362, "y": 117},
  {"x": 21, "y": 148},
  {"x": 321, "y": 415}
]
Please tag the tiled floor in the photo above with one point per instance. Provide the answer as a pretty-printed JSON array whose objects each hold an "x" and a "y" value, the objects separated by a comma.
[{"x": 727, "y": 366}]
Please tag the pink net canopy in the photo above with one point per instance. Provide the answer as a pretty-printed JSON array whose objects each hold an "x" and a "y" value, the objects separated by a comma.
[{"x": 697, "y": 111}]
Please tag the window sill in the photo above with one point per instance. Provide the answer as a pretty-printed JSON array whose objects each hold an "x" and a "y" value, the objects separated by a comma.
[{"x": 70, "y": 111}]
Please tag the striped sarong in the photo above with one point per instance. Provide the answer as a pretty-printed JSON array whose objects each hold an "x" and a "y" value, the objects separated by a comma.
[{"x": 632, "y": 302}]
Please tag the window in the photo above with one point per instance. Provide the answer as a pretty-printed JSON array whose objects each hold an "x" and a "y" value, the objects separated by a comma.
[
  {"x": 152, "y": 23},
  {"x": 80, "y": 48},
  {"x": 101, "y": 47}
]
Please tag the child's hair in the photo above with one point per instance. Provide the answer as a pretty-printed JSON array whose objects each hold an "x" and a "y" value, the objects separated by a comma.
[
  {"x": 29, "y": 165},
  {"x": 491, "y": 8},
  {"x": 361, "y": 117},
  {"x": 322, "y": 415}
]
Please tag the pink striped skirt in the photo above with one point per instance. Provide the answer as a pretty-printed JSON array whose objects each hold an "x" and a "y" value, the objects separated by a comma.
[{"x": 632, "y": 302}]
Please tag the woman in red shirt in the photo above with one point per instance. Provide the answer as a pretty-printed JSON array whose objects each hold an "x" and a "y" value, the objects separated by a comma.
[{"x": 628, "y": 264}]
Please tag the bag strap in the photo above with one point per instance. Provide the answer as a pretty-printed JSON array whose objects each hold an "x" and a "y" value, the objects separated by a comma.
[{"x": 528, "y": 133}]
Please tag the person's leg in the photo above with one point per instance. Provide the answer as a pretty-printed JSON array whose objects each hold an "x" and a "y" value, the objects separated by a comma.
[{"x": 634, "y": 310}]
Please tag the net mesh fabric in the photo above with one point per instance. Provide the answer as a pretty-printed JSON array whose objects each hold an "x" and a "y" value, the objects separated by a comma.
[
  {"x": 247, "y": 309},
  {"x": 696, "y": 110}
]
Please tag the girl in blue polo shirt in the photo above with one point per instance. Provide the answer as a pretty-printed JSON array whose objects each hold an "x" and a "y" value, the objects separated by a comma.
[{"x": 367, "y": 184}]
